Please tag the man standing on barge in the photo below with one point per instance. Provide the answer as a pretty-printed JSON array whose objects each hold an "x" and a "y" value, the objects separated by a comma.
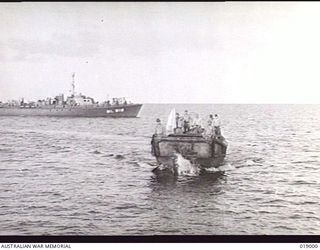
[
  {"x": 217, "y": 124},
  {"x": 186, "y": 122},
  {"x": 160, "y": 129}
]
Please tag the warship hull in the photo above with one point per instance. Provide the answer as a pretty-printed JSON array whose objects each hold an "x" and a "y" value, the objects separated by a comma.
[
  {"x": 129, "y": 110},
  {"x": 205, "y": 152}
]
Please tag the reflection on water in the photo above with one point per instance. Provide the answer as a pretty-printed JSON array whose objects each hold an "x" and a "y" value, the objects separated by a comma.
[
  {"x": 212, "y": 183},
  {"x": 185, "y": 199}
]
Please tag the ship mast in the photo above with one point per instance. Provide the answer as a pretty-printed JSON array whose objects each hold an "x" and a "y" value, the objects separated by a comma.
[{"x": 73, "y": 84}]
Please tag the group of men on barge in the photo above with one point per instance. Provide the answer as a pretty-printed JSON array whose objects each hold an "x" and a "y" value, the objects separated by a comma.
[{"x": 188, "y": 124}]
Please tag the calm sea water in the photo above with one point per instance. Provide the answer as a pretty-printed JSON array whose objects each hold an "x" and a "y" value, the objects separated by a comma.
[{"x": 93, "y": 176}]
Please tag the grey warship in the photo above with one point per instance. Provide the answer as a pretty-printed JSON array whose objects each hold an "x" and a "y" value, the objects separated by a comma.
[{"x": 75, "y": 105}]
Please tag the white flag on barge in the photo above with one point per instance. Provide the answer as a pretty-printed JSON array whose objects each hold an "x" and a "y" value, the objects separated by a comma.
[{"x": 171, "y": 123}]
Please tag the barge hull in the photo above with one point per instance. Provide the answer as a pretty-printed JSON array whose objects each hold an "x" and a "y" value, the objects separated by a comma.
[{"x": 204, "y": 152}]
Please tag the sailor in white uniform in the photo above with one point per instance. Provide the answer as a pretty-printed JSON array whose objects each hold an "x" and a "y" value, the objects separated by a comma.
[{"x": 159, "y": 129}]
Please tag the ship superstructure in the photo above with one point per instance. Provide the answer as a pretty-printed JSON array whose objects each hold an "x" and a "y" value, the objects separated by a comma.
[{"x": 75, "y": 105}]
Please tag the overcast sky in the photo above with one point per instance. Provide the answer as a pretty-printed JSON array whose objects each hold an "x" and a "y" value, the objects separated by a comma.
[{"x": 261, "y": 52}]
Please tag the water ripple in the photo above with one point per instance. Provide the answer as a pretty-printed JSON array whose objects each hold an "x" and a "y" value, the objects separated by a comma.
[{"x": 83, "y": 176}]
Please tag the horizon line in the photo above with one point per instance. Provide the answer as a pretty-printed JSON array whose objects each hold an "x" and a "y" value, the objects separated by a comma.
[{"x": 264, "y": 103}]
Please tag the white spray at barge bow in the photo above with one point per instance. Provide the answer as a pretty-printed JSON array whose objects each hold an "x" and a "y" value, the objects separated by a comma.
[{"x": 185, "y": 167}]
